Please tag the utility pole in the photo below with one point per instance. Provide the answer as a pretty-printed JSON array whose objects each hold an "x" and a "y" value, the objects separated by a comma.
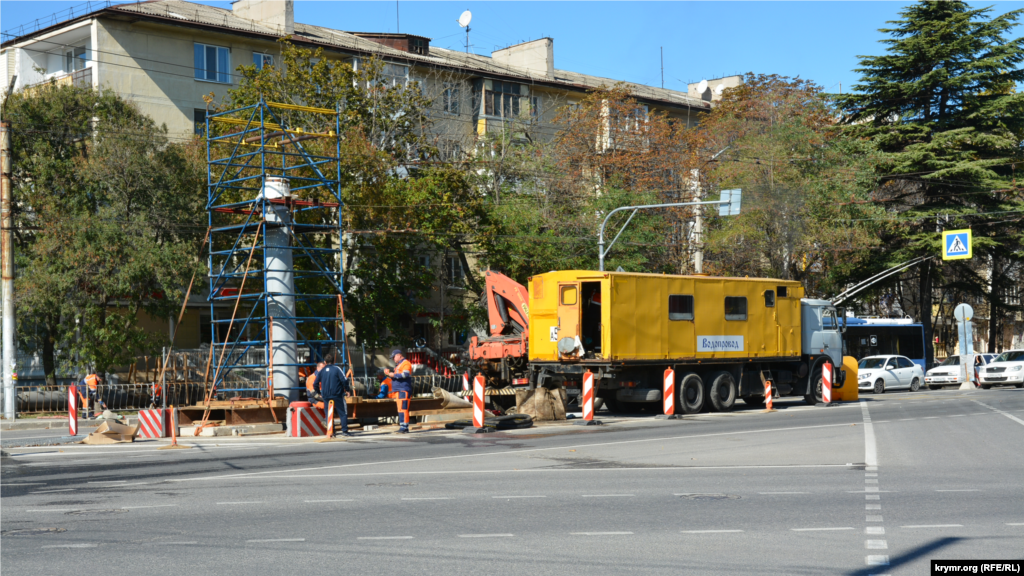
[
  {"x": 7, "y": 273},
  {"x": 697, "y": 232}
]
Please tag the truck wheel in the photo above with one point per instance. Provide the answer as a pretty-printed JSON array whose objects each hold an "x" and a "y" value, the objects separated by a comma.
[
  {"x": 815, "y": 396},
  {"x": 691, "y": 394},
  {"x": 756, "y": 400},
  {"x": 723, "y": 391}
]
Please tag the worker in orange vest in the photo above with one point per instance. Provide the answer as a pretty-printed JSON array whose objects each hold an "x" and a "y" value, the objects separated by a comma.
[
  {"x": 401, "y": 388},
  {"x": 91, "y": 385},
  {"x": 310, "y": 393}
]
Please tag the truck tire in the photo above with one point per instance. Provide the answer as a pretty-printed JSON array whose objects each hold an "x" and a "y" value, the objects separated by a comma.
[
  {"x": 722, "y": 391},
  {"x": 691, "y": 394},
  {"x": 815, "y": 396}
]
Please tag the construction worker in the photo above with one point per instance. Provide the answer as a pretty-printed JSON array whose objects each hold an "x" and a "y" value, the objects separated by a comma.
[
  {"x": 331, "y": 383},
  {"x": 385, "y": 387},
  {"x": 312, "y": 395},
  {"x": 91, "y": 384},
  {"x": 401, "y": 388}
]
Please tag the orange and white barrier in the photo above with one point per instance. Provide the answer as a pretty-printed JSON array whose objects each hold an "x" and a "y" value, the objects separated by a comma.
[
  {"x": 330, "y": 418},
  {"x": 588, "y": 395},
  {"x": 153, "y": 423},
  {"x": 73, "y": 411},
  {"x": 305, "y": 421},
  {"x": 768, "y": 395},
  {"x": 669, "y": 394},
  {"x": 478, "y": 401},
  {"x": 826, "y": 382},
  {"x": 465, "y": 382}
]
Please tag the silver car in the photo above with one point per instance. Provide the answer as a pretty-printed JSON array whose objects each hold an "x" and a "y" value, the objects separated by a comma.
[
  {"x": 881, "y": 373},
  {"x": 950, "y": 371}
]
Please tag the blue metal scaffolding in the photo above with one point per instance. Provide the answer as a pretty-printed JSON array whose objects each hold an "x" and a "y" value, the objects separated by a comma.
[{"x": 247, "y": 148}]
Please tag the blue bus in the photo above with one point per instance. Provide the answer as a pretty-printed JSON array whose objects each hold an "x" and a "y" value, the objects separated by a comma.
[{"x": 880, "y": 336}]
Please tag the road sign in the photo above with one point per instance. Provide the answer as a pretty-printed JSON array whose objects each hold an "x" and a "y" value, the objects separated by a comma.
[
  {"x": 963, "y": 313},
  {"x": 956, "y": 244},
  {"x": 733, "y": 207}
]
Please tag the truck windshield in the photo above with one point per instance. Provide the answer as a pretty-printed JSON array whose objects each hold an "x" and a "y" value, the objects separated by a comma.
[
  {"x": 951, "y": 361},
  {"x": 1011, "y": 356},
  {"x": 871, "y": 363}
]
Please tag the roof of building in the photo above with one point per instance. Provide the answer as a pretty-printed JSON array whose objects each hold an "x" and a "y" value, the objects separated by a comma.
[{"x": 188, "y": 13}]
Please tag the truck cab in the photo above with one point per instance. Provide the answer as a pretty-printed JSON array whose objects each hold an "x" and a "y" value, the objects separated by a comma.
[{"x": 821, "y": 335}]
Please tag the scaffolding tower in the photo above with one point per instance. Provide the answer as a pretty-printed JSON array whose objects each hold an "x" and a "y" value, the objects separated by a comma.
[{"x": 275, "y": 266}]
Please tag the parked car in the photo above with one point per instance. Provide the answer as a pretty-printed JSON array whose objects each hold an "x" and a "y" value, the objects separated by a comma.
[
  {"x": 1007, "y": 368},
  {"x": 949, "y": 372},
  {"x": 881, "y": 373}
]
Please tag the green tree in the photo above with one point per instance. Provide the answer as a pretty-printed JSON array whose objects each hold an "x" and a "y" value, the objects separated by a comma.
[
  {"x": 941, "y": 105},
  {"x": 108, "y": 221}
]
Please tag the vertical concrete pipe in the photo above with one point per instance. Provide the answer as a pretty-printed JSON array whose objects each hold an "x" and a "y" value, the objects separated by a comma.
[{"x": 280, "y": 288}]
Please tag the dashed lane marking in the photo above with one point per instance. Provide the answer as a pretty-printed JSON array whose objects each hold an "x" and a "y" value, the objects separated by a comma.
[
  {"x": 876, "y": 545},
  {"x": 711, "y": 531},
  {"x": 69, "y": 546},
  {"x": 877, "y": 560},
  {"x": 279, "y": 540},
  {"x": 934, "y": 526},
  {"x": 830, "y": 529},
  {"x": 25, "y": 484},
  {"x": 1015, "y": 523},
  {"x": 51, "y": 491},
  {"x": 384, "y": 538},
  {"x": 600, "y": 533}
]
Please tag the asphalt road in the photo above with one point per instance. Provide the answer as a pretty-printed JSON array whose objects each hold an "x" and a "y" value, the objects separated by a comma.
[{"x": 876, "y": 487}]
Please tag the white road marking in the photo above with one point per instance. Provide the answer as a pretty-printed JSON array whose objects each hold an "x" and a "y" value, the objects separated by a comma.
[
  {"x": 174, "y": 543},
  {"x": 600, "y": 533},
  {"x": 996, "y": 410},
  {"x": 279, "y": 540},
  {"x": 54, "y": 510},
  {"x": 870, "y": 447},
  {"x": 232, "y": 503},
  {"x": 384, "y": 538},
  {"x": 934, "y": 526},
  {"x": 879, "y": 560},
  {"x": 615, "y": 495},
  {"x": 821, "y": 529},
  {"x": 963, "y": 490},
  {"x": 507, "y": 497},
  {"x": 875, "y": 530},
  {"x": 26, "y": 484},
  {"x": 486, "y": 536},
  {"x": 872, "y": 518},
  {"x": 1015, "y": 523},
  {"x": 106, "y": 482},
  {"x": 429, "y": 498},
  {"x": 338, "y": 500},
  {"x": 69, "y": 546},
  {"x": 49, "y": 491},
  {"x": 504, "y": 454},
  {"x": 711, "y": 531},
  {"x": 876, "y": 545},
  {"x": 783, "y": 492}
]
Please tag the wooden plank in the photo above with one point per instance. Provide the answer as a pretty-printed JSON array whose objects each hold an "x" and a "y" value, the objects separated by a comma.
[{"x": 435, "y": 412}]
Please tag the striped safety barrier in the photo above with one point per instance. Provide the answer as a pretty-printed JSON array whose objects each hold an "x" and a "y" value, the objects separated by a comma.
[
  {"x": 768, "y": 394},
  {"x": 826, "y": 382},
  {"x": 304, "y": 422},
  {"x": 669, "y": 394},
  {"x": 465, "y": 382},
  {"x": 154, "y": 423},
  {"x": 330, "y": 418},
  {"x": 73, "y": 410},
  {"x": 588, "y": 395},
  {"x": 478, "y": 401}
]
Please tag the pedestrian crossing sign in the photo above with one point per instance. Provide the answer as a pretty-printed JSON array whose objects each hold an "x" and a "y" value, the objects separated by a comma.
[{"x": 956, "y": 244}]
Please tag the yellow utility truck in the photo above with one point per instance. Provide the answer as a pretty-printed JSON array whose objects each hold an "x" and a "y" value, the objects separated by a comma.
[{"x": 720, "y": 335}]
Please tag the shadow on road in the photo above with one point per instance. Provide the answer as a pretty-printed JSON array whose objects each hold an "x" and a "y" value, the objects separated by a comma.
[{"x": 922, "y": 550}]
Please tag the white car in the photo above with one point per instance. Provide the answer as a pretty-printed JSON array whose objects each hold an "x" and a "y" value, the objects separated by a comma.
[
  {"x": 1007, "y": 368},
  {"x": 950, "y": 371},
  {"x": 881, "y": 373}
]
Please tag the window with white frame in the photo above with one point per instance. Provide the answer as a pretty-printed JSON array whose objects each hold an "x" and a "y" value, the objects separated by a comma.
[
  {"x": 260, "y": 60},
  {"x": 450, "y": 97},
  {"x": 75, "y": 59},
  {"x": 212, "y": 63},
  {"x": 392, "y": 75},
  {"x": 453, "y": 271}
]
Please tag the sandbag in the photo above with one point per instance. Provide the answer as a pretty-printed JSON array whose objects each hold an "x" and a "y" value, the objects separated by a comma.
[{"x": 543, "y": 404}]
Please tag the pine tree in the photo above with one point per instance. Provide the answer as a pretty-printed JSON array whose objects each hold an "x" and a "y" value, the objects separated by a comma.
[{"x": 943, "y": 107}]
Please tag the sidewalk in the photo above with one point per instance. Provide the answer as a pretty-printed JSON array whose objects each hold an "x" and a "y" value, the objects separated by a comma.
[{"x": 55, "y": 423}]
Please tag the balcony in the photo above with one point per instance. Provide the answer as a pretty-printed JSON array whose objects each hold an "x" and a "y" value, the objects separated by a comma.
[{"x": 79, "y": 78}]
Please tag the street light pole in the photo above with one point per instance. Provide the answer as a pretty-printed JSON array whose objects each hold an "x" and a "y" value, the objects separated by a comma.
[
  {"x": 601, "y": 251},
  {"x": 7, "y": 266}
]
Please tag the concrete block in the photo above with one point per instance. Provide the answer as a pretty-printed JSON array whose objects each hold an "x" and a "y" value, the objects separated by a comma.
[{"x": 232, "y": 430}]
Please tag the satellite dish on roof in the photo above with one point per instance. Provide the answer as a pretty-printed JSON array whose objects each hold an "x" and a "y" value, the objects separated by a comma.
[
  {"x": 702, "y": 87},
  {"x": 465, "y": 18},
  {"x": 719, "y": 89}
]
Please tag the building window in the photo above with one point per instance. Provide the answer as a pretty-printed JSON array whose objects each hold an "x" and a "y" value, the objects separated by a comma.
[
  {"x": 199, "y": 118},
  {"x": 502, "y": 100},
  {"x": 453, "y": 271},
  {"x": 391, "y": 75},
  {"x": 735, "y": 308},
  {"x": 423, "y": 261},
  {"x": 450, "y": 98},
  {"x": 74, "y": 59},
  {"x": 419, "y": 46},
  {"x": 261, "y": 60},
  {"x": 769, "y": 298},
  {"x": 212, "y": 63},
  {"x": 535, "y": 109},
  {"x": 680, "y": 307},
  {"x": 449, "y": 150}
]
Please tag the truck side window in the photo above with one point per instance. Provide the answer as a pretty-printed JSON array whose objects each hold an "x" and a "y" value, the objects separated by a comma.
[
  {"x": 783, "y": 291},
  {"x": 735, "y": 308},
  {"x": 680, "y": 307},
  {"x": 769, "y": 298},
  {"x": 569, "y": 295}
]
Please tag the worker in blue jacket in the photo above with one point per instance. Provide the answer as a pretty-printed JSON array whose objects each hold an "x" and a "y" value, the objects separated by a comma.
[
  {"x": 401, "y": 388},
  {"x": 332, "y": 384}
]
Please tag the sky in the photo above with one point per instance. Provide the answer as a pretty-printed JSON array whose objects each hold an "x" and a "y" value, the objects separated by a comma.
[{"x": 819, "y": 41}]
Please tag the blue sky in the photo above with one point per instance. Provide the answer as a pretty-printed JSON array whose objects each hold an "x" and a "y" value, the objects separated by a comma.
[{"x": 622, "y": 40}]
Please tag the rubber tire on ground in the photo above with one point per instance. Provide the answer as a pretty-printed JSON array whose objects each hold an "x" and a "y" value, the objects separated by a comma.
[
  {"x": 691, "y": 394},
  {"x": 986, "y": 386},
  {"x": 930, "y": 387},
  {"x": 879, "y": 387},
  {"x": 756, "y": 400},
  {"x": 815, "y": 396},
  {"x": 722, "y": 391},
  {"x": 915, "y": 384}
]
